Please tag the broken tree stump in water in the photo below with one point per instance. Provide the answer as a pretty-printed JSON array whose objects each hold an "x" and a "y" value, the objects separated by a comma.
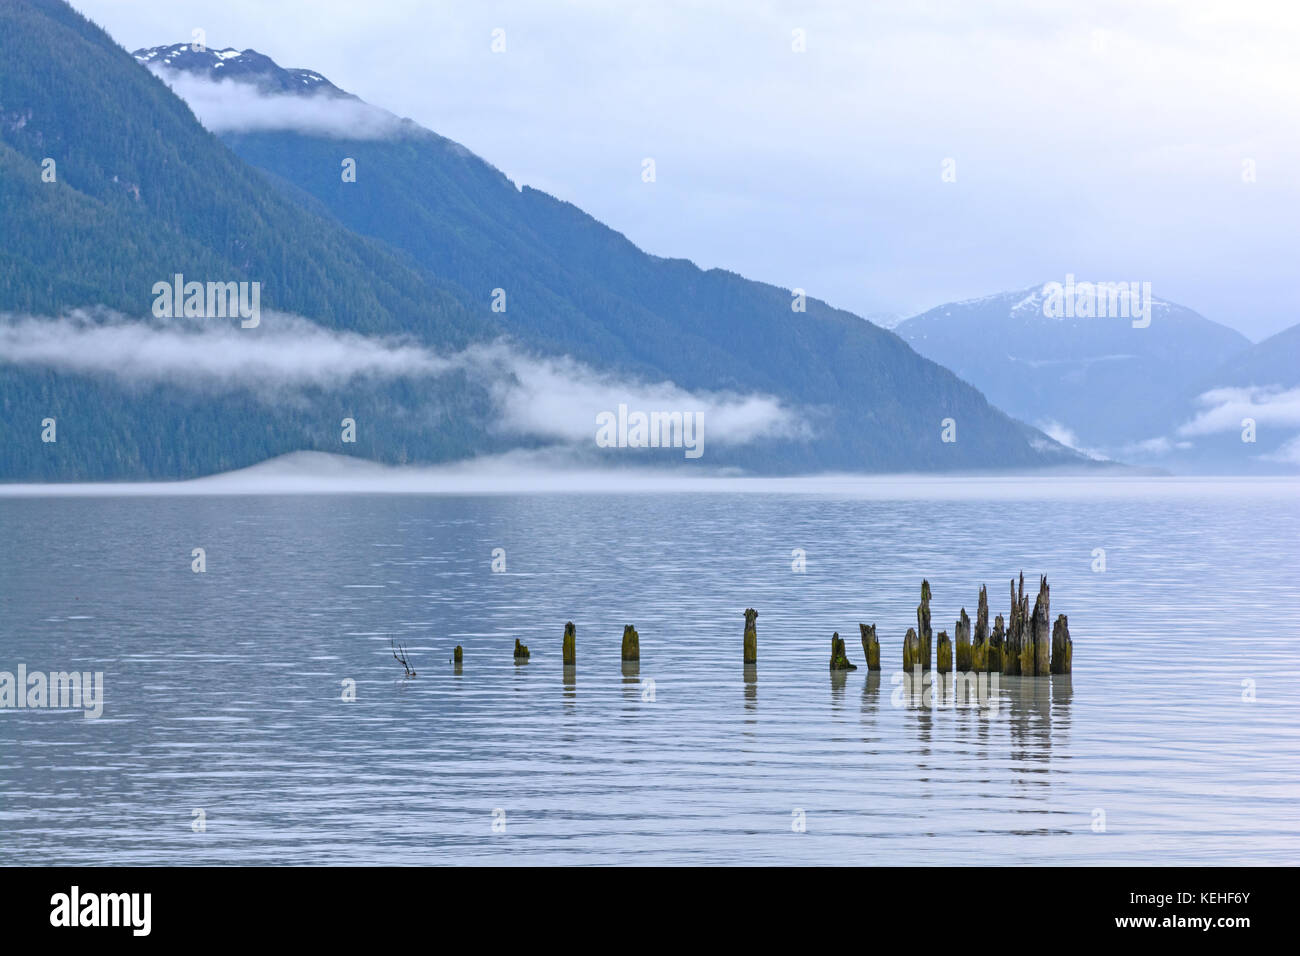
[
  {"x": 570, "y": 644},
  {"x": 631, "y": 644},
  {"x": 961, "y": 643},
  {"x": 943, "y": 661},
  {"x": 751, "y": 636},
  {"x": 521, "y": 651},
  {"x": 839, "y": 654},
  {"x": 1062, "y": 646},
  {"x": 870, "y": 646}
]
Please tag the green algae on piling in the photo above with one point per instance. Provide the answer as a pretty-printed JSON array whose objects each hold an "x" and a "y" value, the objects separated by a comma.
[
  {"x": 631, "y": 644},
  {"x": 839, "y": 655},
  {"x": 996, "y": 644},
  {"x": 911, "y": 651},
  {"x": 944, "y": 662},
  {"x": 1042, "y": 634},
  {"x": 870, "y": 646},
  {"x": 570, "y": 644},
  {"x": 1062, "y": 646},
  {"x": 923, "y": 631},
  {"x": 961, "y": 642}
]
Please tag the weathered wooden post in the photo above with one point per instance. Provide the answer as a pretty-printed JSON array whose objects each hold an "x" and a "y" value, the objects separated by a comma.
[
  {"x": 870, "y": 646},
  {"x": 979, "y": 648},
  {"x": 631, "y": 644},
  {"x": 458, "y": 654},
  {"x": 521, "y": 651},
  {"x": 961, "y": 642},
  {"x": 1042, "y": 629},
  {"x": 943, "y": 662},
  {"x": 923, "y": 626},
  {"x": 570, "y": 644},
  {"x": 1018, "y": 657},
  {"x": 1062, "y": 646},
  {"x": 997, "y": 644},
  {"x": 911, "y": 652},
  {"x": 839, "y": 655},
  {"x": 751, "y": 636}
]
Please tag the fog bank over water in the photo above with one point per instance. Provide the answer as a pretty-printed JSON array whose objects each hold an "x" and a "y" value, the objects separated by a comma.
[{"x": 526, "y": 472}]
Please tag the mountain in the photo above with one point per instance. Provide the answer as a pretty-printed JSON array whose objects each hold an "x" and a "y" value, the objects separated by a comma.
[
  {"x": 409, "y": 253},
  {"x": 246, "y": 66},
  {"x": 1210, "y": 429},
  {"x": 1099, "y": 383}
]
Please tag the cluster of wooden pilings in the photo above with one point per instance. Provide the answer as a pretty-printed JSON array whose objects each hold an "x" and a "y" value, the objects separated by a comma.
[{"x": 1024, "y": 648}]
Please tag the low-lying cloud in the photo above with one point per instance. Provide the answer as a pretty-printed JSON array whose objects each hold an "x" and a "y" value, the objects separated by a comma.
[
  {"x": 1223, "y": 409},
  {"x": 552, "y": 398},
  {"x": 232, "y": 106}
]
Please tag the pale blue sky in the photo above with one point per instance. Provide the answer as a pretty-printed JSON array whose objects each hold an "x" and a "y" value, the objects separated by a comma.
[{"x": 1103, "y": 138}]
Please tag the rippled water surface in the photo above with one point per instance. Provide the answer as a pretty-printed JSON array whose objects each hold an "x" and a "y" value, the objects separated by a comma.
[{"x": 223, "y": 690}]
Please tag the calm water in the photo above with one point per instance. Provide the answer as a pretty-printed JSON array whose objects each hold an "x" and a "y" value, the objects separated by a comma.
[{"x": 223, "y": 690}]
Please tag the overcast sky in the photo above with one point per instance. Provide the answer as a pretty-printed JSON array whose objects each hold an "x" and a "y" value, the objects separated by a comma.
[{"x": 1103, "y": 138}]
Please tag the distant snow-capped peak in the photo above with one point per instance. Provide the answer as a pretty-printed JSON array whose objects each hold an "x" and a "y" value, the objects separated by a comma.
[{"x": 245, "y": 66}]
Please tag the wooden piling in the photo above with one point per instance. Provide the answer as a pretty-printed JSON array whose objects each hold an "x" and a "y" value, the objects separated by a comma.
[
  {"x": 457, "y": 654},
  {"x": 923, "y": 631},
  {"x": 521, "y": 651},
  {"x": 911, "y": 651},
  {"x": 979, "y": 645},
  {"x": 943, "y": 661},
  {"x": 631, "y": 644},
  {"x": 839, "y": 655},
  {"x": 961, "y": 642},
  {"x": 1062, "y": 646},
  {"x": 1041, "y": 629},
  {"x": 570, "y": 644},
  {"x": 997, "y": 645},
  {"x": 1018, "y": 655},
  {"x": 751, "y": 636},
  {"x": 870, "y": 646}
]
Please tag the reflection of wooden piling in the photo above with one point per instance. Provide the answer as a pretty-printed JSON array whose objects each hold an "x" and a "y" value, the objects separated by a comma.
[
  {"x": 570, "y": 644},
  {"x": 631, "y": 644},
  {"x": 870, "y": 646},
  {"x": 521, "y": 651},
  {"x": 961, "y": 643},
  {"x": 923, "y": 631},
  {"x": 458, "y": 654},
  {"x": 751, "y": 636},
  {"x": 943, "y": 662},
  {"x": 1062, "y": 646},
  {"x": 839, "y": 655}
]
